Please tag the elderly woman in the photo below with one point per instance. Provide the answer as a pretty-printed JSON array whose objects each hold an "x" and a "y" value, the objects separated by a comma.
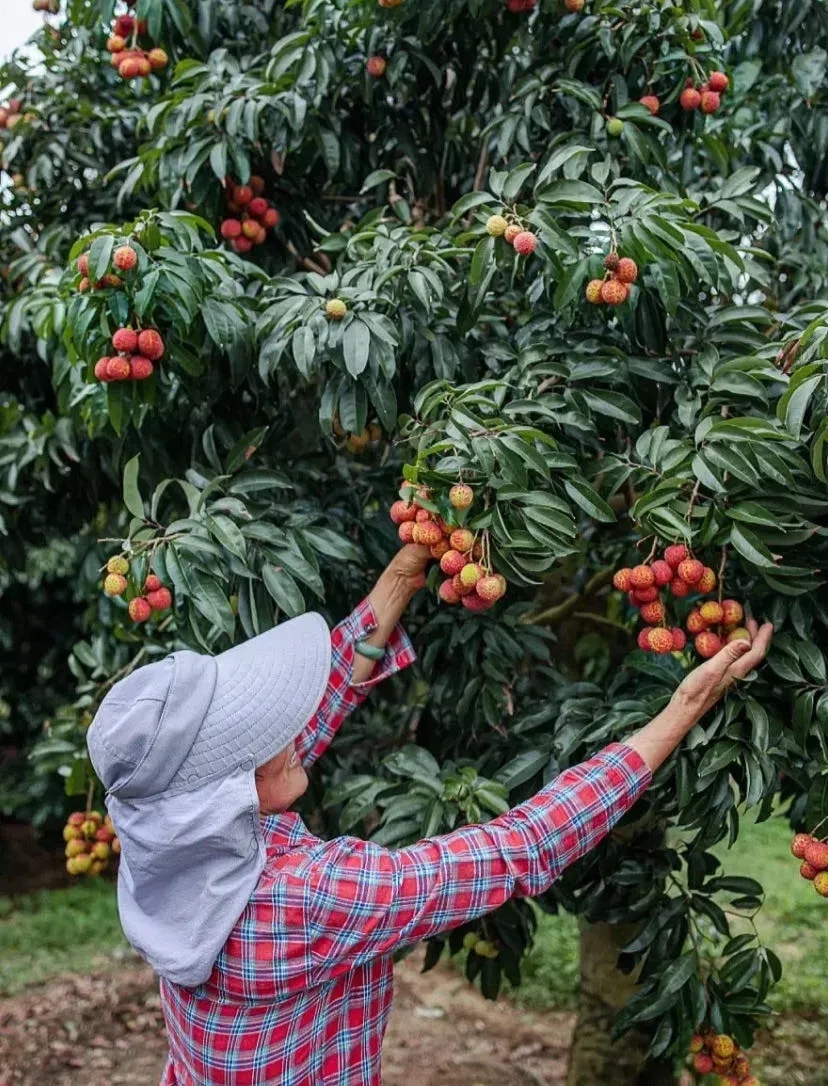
[{"x": 274, "y": 948}]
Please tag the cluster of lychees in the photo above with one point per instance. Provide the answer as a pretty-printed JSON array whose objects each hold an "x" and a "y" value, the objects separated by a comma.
[
  {"x": 814, "y": 856},
  {"x": 124, "y": 260},
  {"x": 256, "y": 214},
  {"x": 614, "y": 288},
  {"x": 711, "y": 623},
  {"x": 523, "y": 241},
  {"x": 90, "y": 843},
  {"x": 717, "y": 1053},
  {"x": 154, "y": 596},
  {"x": 707, "y": 97},
  {"x": 137, "y": 351},
  {"x": 10, "y": 114},
  {"x": 463, "y": 556},
  {"x": 127, "y": 56}
]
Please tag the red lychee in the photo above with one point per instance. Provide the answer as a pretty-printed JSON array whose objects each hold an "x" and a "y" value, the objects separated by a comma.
[
  {"x": 614, "y": 292},
  {"x": 117, "y": 369},
  {"x": 703, "y": 1064},
  {"x": 401, "y": 511},
  {"x": 708, "y": 644},
  {"x": 651, "y": 102},
  {"x": 461, "y": 496},
  {"x": 270, "y": 218},
  {"x": 100, "y": 369},
  {"x": 707, "y": 581},
  {"x": 160, "y": 599},
  {"x": 627, "y": 270},
  {"x": 680, "y": 588},
  {"x": 242, "y": 244},
  {"x": 643, "y": 595},
  {"x": 257, "y": 184},
  {"x": 125, "y": 339},
  {"x": 661, "y": 640},
  {"x": 452, "y": 562},
  {"x": 124, "y": 258},
  {"x": 710, "y": 101},
  {"x": 140, "y": 368},
  {"x": 679, "y": 639},
  {"x": 83, "y": 264},
  {"x": 718, "y": 82},
  {"x": 799, "y": 844},
  {"x": 525, "y": 243},
  {"x": 491, "y": 588},
  {"x": 152, "y": 583},
  {"x": 150, "y": 344},
  {"x": 406, "y": 531},
  {"x": 448, "y": 593},
  {"x": 621, "y": 580},
  {"x": 460, "y": 588},
  {"x": 250, "y": 229},
  {"x": 242, "y": 195},
  {"x": 427, "y": 534},
  {"x": 511, "y": 232},
  {"x": 690, "y": 98},
  {"x": 642, "y": 577},
  {"x": 644, "y": 638},
  {"x": 807, "y": 871},
  {"x": 230, "y": 228},
  {"x": 257, "y": 206},
  {"x": 653, "y": 613},
  {"x": 439, "y": 549},
  {"x": 691, "y": 570},
  {"x": 139, "y": 609},
  {"x": 732, "y": 612},
  {"x": 675, "y": 555},
  {"x": 816, "y": 854},
  {"x": 158, "y": 59},
  {"x": 662, "y": 572},
  {"x": 695, "y": 622},
  {"x": 473, "y": 602},
  {"x": 376, "y": 66},
  {"x": 462, "y": 540},
  {"x": 712, "y": 612}
]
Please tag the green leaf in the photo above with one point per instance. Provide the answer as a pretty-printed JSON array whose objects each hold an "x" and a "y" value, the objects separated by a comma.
[
  {"x": 132, "y": 496},
  {"x": 377, "y": 177},
  {"x": 751, "y": 547},
  {"x": 100, "y": 254},
  {"x": 482, "y": 260},
  {"x": 356, "y": 346},
  {"x": 792, "y": 407},
  {"x": 284, "y": 590},
  {"x": 589, "y": 500}
]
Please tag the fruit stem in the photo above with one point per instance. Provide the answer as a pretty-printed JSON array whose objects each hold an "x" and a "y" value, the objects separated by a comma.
[
  {"x": 90, "y": 795},
  {"x": 722, "y": 567}
]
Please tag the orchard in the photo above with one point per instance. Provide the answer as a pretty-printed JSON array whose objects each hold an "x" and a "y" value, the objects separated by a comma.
[{"x": 540, "y": 285}]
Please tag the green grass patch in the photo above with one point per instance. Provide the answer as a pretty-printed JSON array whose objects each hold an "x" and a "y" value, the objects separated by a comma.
[{"x": 57, "y": 931}]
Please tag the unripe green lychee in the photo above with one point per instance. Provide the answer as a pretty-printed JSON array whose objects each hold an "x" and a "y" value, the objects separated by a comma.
[
  {"x": 739, "y": 633},
  {"x": 461, "y": 496},
  {"x": 471, "y": 573},
  {"x": 642, "y": 577},
  {"x": 470, "y": 940},
  {"x": 691, "y": 570},
  {"x": 336, "y": 309},
  {"x": 115, "y": 584},
  {"x": 117, "y": 564},
  {"x": 615, "y": 126},
  {"x": 139, "y": 609},
  {"x": 821, "y": 884},
  {"x": 496, "y": 226}
]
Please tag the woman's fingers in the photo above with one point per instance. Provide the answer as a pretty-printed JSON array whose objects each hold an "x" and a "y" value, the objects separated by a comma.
[{"x": 757, "y": 652}]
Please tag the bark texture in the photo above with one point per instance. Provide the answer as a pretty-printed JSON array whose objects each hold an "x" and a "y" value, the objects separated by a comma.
[{"x": 595, "y": 1059}]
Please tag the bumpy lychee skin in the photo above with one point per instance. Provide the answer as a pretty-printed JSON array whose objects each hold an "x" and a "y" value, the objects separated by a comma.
[
  {"x": 406, "y": 531},
  {"x": 511, "y": 232},
  {"x": 799, "y": 844},
  {"x": 423, "y": 515},
  {"x": 117, "y": 564},
  {"x": 125, "y": 339},
  {"x": 490, "y": 588},
  {"x": 402, "y": 511},
  {"x": 627, "y": 270},
  {"x": 611, "y": 261},
  {"x": 593, "y": 291},
  {"x": 242, "y": 195},
  {"x": 680, "y": 588},
  {"x": 462, "y": 540},
  {"x": 661, "y": 640},
  {"x": 707, "y": 581},
  {"x": 250, "y": 230},
  {"x": 439, "y": 549},
  {"x": 115, "y": 584},
  {"x": 696, "y": 1043},
  {"x": 642, "y": 577},
  {"x": 621, "y": 580},
  {"x": 496, "y": 226},
  {"x": 718, "y": 82},
  {"x": 816, "y": 854},
  {"x": 139, "y": 609},
  {"x": 473, "y": 602},
  {"x": 525, "y": 243},
  {"x": 695, "y": 622},
  {"x": 690, "y": 570},
  {"x": 662, "y": 572},
  {"x": 711, "y": 612},
  {"x": 461, "y": 496},
  {"x": 427, "y": 534},
  {"x": 675, "y": 555},
  {"x": 448, "y": 593},
  {"x": 258, "y": 206},
  {"x": 739, "y": 633},
  {"x": 376, "y": 66},
  {"x": 270, "y": 219},
  {"x": 242, "y": 244},
  {"x": 152, "y": 583},
  {"x": 723, "y": 1046},
  {"x": 452, "y": 562},
  {"x": 100, "y": 368},
  {"x": 690, "y": 99},
  {"x": 733, "y": 612},
  {"x": 83, "y": 263},
  {"x": 710, "y": 101},
  {"x": 471, "y": 573},
  {"x": 230, "y": 228},
  {"x": 708, "y": 644},
  {"x": 643, "y": 639},
  {"x": 140, "y": 368},
  {"x": 644, "y": 595},
  {"x": 160, "y": 600},
  {"x": 651, "y": 102},
  {"x": 808, "y": 871},
  {"x": 653, "y": 613},
  {"x": 336, "y": 309},
  {"x": 679, "y": 639},
  {"x": 117, "y": 369},
  {"x": 613, "y": 292},
  {"x": 150, "y": 344},
  {"x": 703, "y": 1064},
  {"x": 821, "y": 884},
  {"x": 124, "y": 258},
  {"x": 460, "y": 588}
]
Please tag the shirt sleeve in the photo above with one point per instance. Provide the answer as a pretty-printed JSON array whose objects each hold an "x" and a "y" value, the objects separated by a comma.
[
  {"x": 363, "y": 900},
  {"x": 342, "y": 696}
]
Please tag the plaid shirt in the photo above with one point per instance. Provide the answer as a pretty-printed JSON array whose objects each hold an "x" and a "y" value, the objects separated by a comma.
[{"x": 301, "y": 993}]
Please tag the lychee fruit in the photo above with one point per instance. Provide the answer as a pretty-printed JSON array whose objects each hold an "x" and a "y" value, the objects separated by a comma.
[
  {"x": 83, "y": 264},
  {"x": 821, "y": 884},
  {"x": 473, "y": 602},
  {"x": 679, "y": 639},
  {"x": 662, "y": 572},
  {"x": 336, "y": 309},
  {"x": 100, "y": 368},
  {"x": 525, "y": 243},
  {"x": 574, "y": 6},
  {"x": 427, "y": 534},
  {"x": 511, "y": 232},
  {"x": 712, "y": 612},
  {"x": 376, "y": 66},
  {"x": 691, "y": 570},
  {"x": 117, "y": 369},
  {"x": 230, "y": 228},
  {"x": 158, "y": 59},
  {"x": 675, "y": 555},
  {"x": 690, "y": 98},
  {"x": 732, "y": 612},
  {"x": 471, "y": 573},
  {"x": 644, "y": 595},
  {"x": 707, "y": 581},
  {"x": 115, "y": 44},
  {"x": 139, "y": 609},
  {"x": 160, "y": 599},
  {"x": 702, "y": 1064},
  {"x": 593, "y": 291},
  {"x": 461, "y": 496},
  {"x": 615, "y": 126},
  {"x": 150, "y": 344},
  {"x": 739, "y": 633},
  {"x": 661, "y": 640},
  {"x": 448, "y": 593},
  {"x": 125, "y": 339},
  {"x": 611, "y": 261},
  {"x": 613, "y": 292},
  {"x": 642, "y": 577},
  {"x": 452, "y": 562},
  {"x": 653, "y": 613},
  {"x": 439, "y": 549},
  {"x": 402, "y": 511},
  {"x": 242, "y": 244},
  {"x": 152, "y": 583},
  {"x": 651, "y": 102},
  {"x": 270, "y": 218},
  {"x": 140, "y": 368},
  {"x": 644, "y": 638},
  {"x": 816, "y": 854},
  {"x": 627, "y": 270},
  {"x": 460, "y": 588},
  {"x": 696, "y": 1043},
  {"x": 242, "y": 195},
  {"x": 257, "y": 206},
  {"x": 621, "y": 580},
  {"x": 124, "y": 25},
  {"x": 695, "y": 622},
  {"x": 115, "y": 584},
  {"x": 117, "y": 564},
  {"x": 250, "y": 229},
  {"x": 723, "y": 1046},
  {"x": 808, "y": 871},
  {"x": 462, "y": 540},
  {"x": 708, "y": 644},
  {"x": 496, "y": 226},
  {"x": 490, "y": 588},
  {"x": 406, "y": 531},
  {"x": 718, "y": 82},
  {"x": 124, "y": 258},
  {"x": 710, "y": 101},
  {"x": 422, "y": 515},
  {"x": 799, "y": 844},
  {"x": 680, "y": 588}
]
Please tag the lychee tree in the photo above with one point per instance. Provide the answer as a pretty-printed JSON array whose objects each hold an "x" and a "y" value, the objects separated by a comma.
[{"x": 570, "y": 256}]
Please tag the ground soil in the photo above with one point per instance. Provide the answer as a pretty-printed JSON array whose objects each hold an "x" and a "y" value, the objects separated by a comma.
[{"x": 106, "y": 1029}]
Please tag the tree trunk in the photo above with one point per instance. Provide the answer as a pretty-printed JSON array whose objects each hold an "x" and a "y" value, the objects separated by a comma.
[{"x": 594, "y": 1057}]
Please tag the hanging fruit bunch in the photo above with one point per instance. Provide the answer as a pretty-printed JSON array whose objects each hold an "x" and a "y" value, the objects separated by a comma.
[
  {"x": 653, "y": 586},
  {"x": 813, "y": 852},
  {"x": 435, "y": 519},
  {"x": 252, "y": 214},
  {"x": 614, "y": 288},
  {"x": 509, "y": 227},
  {"x": 90, "y": 843},
  {"x": 718, "y": 1054},
  {"x": 152, "y": 597},
  {"x": 132, "y": 59}
]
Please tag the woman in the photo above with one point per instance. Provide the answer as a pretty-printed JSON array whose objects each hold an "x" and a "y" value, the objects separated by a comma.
[{"x": 274, "y": 948}]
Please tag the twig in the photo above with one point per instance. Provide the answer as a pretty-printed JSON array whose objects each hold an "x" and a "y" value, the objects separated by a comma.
[
  {"x": 482, "y": 163},
  {"x": 306, "y": 261},
  {"x": 563, "y": 610}
]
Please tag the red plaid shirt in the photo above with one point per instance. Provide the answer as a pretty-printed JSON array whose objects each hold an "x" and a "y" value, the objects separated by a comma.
[{"x": 301, "y": 993}]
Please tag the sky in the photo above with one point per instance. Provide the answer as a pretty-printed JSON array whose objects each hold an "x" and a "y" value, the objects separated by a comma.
[{"x": 16, "y": 24}]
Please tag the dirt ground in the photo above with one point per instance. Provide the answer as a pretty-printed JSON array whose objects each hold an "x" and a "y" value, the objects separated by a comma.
[{"x": 106, "y": 1029}]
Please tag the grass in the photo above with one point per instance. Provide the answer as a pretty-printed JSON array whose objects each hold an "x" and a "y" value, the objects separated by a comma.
[{"x": 57, "y": 931}]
